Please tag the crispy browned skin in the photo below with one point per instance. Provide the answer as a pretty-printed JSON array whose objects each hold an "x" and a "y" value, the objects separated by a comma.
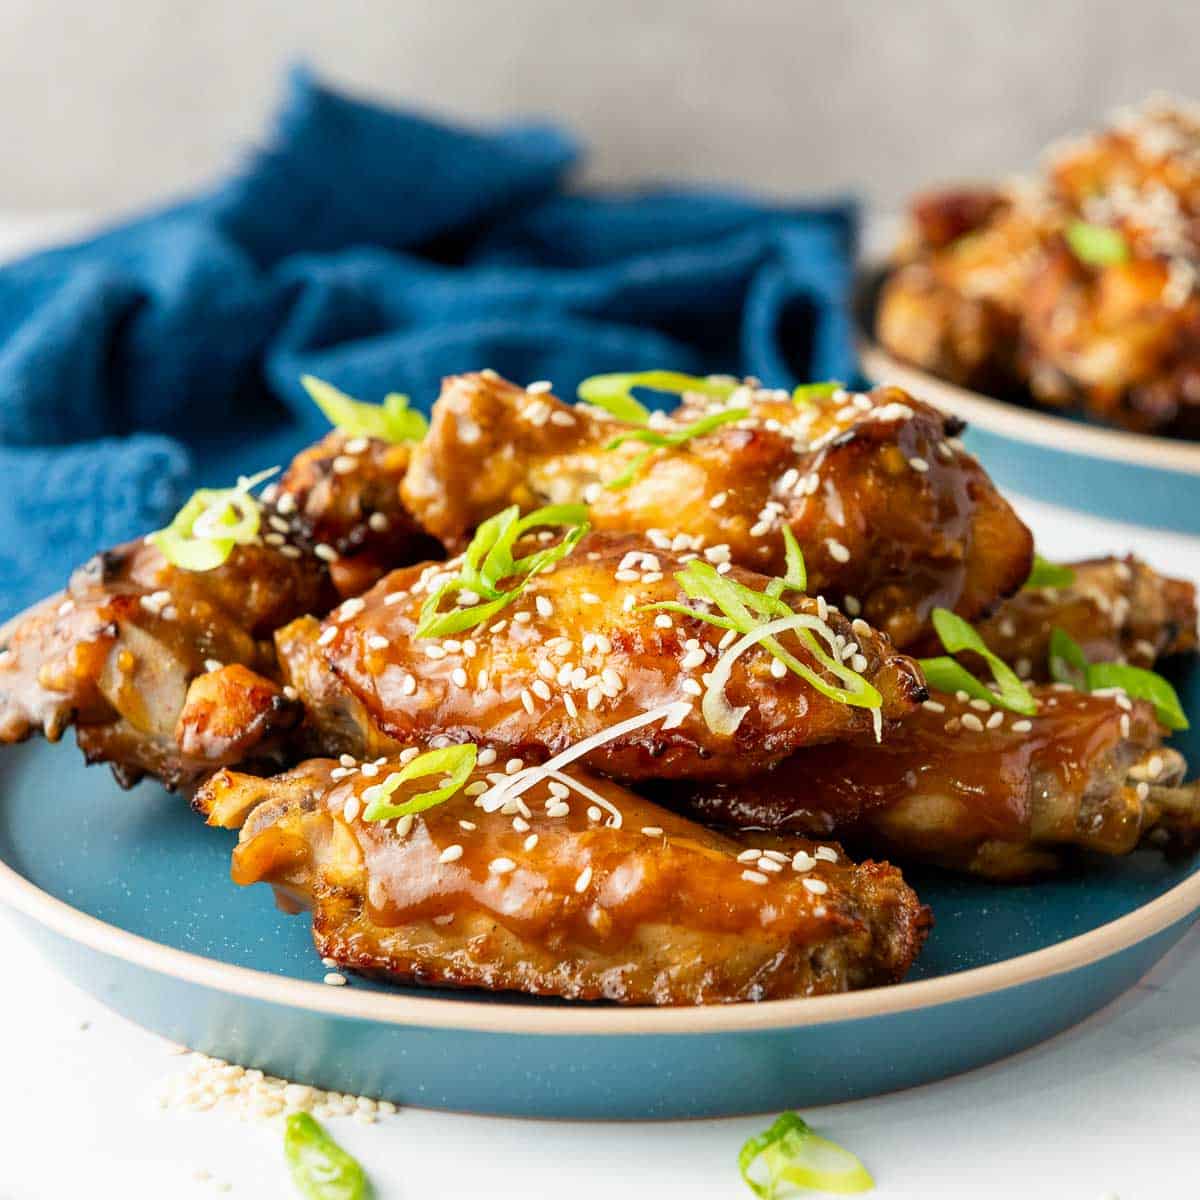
[
  {"x": 1087, "y": 771},
  {"x": 893, "y": 517},
  {"x": 656, "y": 911},
  {"x": 1117, "y": 609},
  {"x": 990, "y": 294},
  {"x": 132, "y": 653},
  {"x": 572, "y": 656}
]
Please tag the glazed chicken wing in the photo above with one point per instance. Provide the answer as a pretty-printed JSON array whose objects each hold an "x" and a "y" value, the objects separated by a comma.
[
  {"x": 981, "y": 790},
  {"x": 574, "y": 655},
  {"x": 561, "y": 897},
  {"x": 168, "y": 671},
  {"x": 893, "y": 517},
  {"x": 1079, "y": 290},
  {"x": 1117, "y": 610}
]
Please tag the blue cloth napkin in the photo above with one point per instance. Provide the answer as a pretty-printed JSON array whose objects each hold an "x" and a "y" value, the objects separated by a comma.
[{"x": 379, "y": 250}]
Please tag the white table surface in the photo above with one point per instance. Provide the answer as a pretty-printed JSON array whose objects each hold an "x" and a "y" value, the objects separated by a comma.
[{"x": 1109, "y": 1109}]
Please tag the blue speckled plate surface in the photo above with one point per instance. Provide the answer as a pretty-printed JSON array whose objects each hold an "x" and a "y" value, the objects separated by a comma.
[{"x": 141, "y": 863}]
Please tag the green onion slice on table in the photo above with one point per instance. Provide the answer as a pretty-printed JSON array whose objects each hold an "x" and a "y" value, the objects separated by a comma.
[
  {"x": 789, "y": 1159},
  {"x": 320, "y": 1168}
]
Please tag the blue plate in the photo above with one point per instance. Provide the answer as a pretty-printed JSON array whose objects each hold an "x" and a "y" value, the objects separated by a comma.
[
  {"x": 1146, "y": 480},
  {"x": 129, "y": 894}
]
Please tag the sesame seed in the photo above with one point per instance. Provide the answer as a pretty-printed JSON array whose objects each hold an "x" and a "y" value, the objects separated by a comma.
[
  {"x": 718, "y": 500},
  {"x": 539, "y": 386},
  {"x": 585, "y": 877},
  {"x": 662, "y": 621},
  {"x": 691, "y": 687},
  {"x": 501, "y": 866},
  {"x": 286, "y": 504},
  {"x": 859, "y": 663},
  {"x": 557, "y": 808},
  {"x": 778, "y": 670},
  {"x": 290, "y": 551},
  {"x": 1154, "y": 767},
  {"x": 378, "y": 642},
  {"x": 995, "y": 720},
  {"x": 369, "y": 770},
  {"x": 754, "y": 877},
  {"x": 344, "y": 464},
  {"x": 327, "y": 635},
  {"x": 826, "y": 854},
  {"x": 1022, "y": 726},
  {"x": 569, "y": 704},
  {"x": 971, "y": 721},
  {"x": 544, "y": 607},
  {"x": 409, "y": 686},
  {"x": 935, "y": 707},
  {"x": 451, "y": 854},
  {"x": 351, "y": 608},
  {"x": 853, "y": 605},
  {"x": 541, "y": 689},
  {"x": 818, "y": 887},
  {"x": 487, "y": 756},
  {"x": 768, "y": 864},
  {"x": 335, "y": 979},
  {"x": 981, "y": 705},
  {"x": 652, "y": 830},
  {"x": 918, "y": 464},
  {"x": 695, "y": 657},
  {"x": 325, "y": 552},
  {"x": 433, "y": 650},
  {"x": 458, "y": 677},
  {"x": 803, "y": 861},
  {"x": 837, "y": 551}
]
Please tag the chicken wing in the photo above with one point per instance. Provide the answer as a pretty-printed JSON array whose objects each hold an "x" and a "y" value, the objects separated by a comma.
[
  {"x": 980, "y": 791},
  {"x": 574, "y": 655},
  {"x": 1079, "y": 291},
  {"x": 168, "y": 671},
  {"x": 558, "y": 897},
  {"x": 894, "y": 518},
  {"x": 1117, "y": 609}
]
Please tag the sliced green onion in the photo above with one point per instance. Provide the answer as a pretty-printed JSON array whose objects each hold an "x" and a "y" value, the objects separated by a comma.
[
  {"x": 657, "y": 439},
  {"x": 614, "y": 393},
  {"x": 320, "y": 1168},
  {"x": 488, "y": 563},
  {"x": 759, "y": 616},
  {"x": 795, "y": 575},
  {"x": 806, "y": 393},
  {"x": 957, "y": 636},
  {"x": 945, "y": 674},
  {"x": 391, "y": 421},
  {"x": 1046, "y": 574},
  {"x": 1068, "y": 664},
  {"x": 1097, "y": 245},
  {"x": 789, "y": 1156},
  {"x": 214, "y": 520},
  {"x": 1140, "y": 684},
  {"x": 454, "y": 762}
]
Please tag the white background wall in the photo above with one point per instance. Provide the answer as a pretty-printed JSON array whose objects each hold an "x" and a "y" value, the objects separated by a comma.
[{"x": 105, "y": 104}]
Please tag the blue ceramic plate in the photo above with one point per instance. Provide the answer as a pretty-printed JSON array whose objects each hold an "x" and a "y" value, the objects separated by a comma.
[
  {"x": 129, "y": 894},
  {"x": 1132, "y": 477}
]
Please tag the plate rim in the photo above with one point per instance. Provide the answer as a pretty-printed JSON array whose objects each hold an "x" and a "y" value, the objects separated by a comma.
[
  {"x": 1001, "y": 417},
  {"x": 497, "y": 1017}
]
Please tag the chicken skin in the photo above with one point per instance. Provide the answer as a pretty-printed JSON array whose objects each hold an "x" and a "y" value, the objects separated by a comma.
[
  {"x": 981, "y": 791},
  {"x": 560, "y": 897},
  {"x": 1117, "y": 610},
  {"x": 575, "y": 654},
  {"x": 169, "y": 672},
  {"x": 1080, "y": 291},
  {"x": 893, "y": 517}
]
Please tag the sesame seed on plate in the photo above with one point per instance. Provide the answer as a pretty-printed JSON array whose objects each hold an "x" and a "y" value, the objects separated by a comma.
[{"x": 335, "y": 979}]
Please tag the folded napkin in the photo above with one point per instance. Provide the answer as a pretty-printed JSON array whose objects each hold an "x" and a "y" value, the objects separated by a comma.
[{"x": 378, "y": 250}]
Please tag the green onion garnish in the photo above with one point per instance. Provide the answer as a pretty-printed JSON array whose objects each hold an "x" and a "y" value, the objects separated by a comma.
[
  {"x": 614, "y": 393},
  {"x": 1046, "y": 574},
  {"x": 454, "y": 762},
  {"x": 206, "y": 529},
  {"x": 1097, "y": 245},
  {"x": 790, "y": 1156},
  {"x": 947, "y": 675},
  {"x": 759, "y": 616},
  {"x": 656, "y": 440},
  {"x": 806, "y": 393},
  {"x": 320, "y": 1168},
  {"x": 488, "y": 563},
  {"x": 1068, "y": 664},
  {"x": 391, "y": 421}
]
